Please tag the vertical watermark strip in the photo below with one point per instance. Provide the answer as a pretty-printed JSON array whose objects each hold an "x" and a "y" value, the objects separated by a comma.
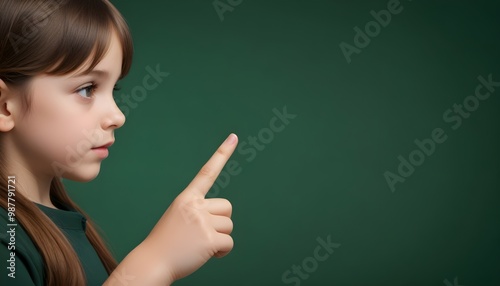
[{"x": 11, "y": 226}]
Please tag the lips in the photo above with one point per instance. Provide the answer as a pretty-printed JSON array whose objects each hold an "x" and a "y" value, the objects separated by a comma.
[{"x": 105, "y": 145}]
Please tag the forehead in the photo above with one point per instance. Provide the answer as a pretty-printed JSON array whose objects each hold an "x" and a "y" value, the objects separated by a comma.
[{"x": 111, "y": 62}]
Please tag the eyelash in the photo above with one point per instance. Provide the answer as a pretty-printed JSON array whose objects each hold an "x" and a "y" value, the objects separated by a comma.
[{"x": 92, "y": 87}]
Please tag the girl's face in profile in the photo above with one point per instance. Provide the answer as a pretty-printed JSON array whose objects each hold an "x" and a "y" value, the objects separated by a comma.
[{"x": 69, "y": 116}]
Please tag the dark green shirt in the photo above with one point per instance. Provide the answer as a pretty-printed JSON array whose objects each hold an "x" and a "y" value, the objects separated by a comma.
[{"x": 29, "y": 265}]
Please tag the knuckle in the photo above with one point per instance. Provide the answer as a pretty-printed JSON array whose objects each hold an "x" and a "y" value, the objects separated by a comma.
[
  {"x": 207, "y": 172},
  {"x": 220, "y": 151}
]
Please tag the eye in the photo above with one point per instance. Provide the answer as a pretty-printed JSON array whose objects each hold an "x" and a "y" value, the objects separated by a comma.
[{"x": 89, "y": 91}]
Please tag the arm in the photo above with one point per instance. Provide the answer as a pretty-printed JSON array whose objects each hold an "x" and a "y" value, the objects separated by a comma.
[
  {"x": 140, "y": 267},
  {"x": 191, "y": 231}
]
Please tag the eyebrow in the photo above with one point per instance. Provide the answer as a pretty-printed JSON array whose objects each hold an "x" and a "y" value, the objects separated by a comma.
[{"x": 92, "y": 72}]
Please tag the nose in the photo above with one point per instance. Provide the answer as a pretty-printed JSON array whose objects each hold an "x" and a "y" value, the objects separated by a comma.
[{"x": 114, "y": 117}]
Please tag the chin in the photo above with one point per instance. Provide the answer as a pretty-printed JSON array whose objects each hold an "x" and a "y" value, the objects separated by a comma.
[{"x": 83, "y": 175}]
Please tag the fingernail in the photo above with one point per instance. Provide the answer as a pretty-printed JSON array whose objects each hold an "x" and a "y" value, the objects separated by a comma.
[{"x": 231, "y": 139}]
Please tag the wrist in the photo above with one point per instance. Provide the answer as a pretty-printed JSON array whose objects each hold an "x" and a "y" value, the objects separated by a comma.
[
  {"x": 142, "y": 266},
  {"x": 156, "y": 262}
]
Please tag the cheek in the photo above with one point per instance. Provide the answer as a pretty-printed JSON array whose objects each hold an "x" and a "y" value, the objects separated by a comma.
[{"x": 58, "y": 129}]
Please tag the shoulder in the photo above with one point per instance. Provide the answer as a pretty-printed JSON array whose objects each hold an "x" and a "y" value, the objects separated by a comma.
[{"x": 16, "y": 242}]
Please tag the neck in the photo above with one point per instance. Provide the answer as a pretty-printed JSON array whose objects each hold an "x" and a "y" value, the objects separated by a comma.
[{"x": 29, "y": 180}]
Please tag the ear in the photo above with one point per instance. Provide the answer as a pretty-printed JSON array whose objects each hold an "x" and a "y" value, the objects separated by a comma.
[{"x": 7, "y": 105}]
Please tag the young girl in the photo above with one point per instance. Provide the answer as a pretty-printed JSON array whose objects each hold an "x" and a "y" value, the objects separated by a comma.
[{"x": 59, "y": 63}]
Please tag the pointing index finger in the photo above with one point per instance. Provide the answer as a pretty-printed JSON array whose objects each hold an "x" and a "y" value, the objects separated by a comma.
[{"x": 207, "y": 175}]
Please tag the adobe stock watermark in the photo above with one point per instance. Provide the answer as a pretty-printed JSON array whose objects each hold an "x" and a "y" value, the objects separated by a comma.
[
  {"x": 33, "y": 23},
  {"x": 297, "y": 273},
  {"x": 223, "y": 6},
  {"x": 128, "y": 101},
  {"x": 249, "y": 148},
  {"x": 427, "y": 146},
  {"x": 11, "y": 226},
  {"x": 455, "y": 282},
  {"x": 252, "y": 146},
  {"x": 372, "y": 29}
]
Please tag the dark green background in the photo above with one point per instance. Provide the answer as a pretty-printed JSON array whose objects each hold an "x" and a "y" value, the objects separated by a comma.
[{"x": 323, "y": 174}]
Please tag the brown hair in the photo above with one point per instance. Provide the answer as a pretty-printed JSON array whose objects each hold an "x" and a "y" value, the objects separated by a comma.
[{"x": 55, "y": 37}]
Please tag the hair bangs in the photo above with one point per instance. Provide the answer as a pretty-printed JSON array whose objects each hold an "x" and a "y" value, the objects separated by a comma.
[{"x": 80, "y": 34}]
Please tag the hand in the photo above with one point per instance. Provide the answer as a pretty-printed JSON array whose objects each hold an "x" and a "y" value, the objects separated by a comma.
[{"x": 193, "y": 229}]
